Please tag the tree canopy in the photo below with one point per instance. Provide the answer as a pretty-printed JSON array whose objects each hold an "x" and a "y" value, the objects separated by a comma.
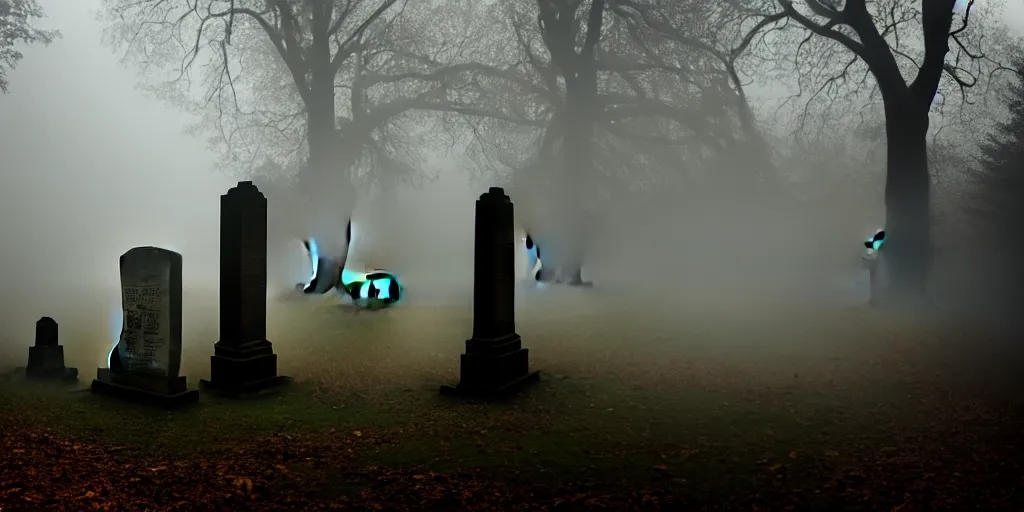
[{"x": 16, "y": 28}]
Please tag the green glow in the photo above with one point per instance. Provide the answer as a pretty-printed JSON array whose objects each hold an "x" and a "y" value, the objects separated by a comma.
[
  {"x": 358, "y": 286},
  {"x": 350, "y": 276},
  {"x": 875, "y": 241}
]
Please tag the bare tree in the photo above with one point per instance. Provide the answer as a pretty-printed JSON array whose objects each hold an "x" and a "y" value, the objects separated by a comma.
[
  {"x": 321, "y": 83},
  {"x": 583, "y": 103},
  {"x": 722, "y": 33},
  {"x": 574, "y": 65},
  {"x": 908, "y": 48},
  {"x": 16, "y": 20}
]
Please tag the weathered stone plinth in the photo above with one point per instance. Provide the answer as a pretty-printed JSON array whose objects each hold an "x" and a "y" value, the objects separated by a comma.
[
  {"x": 244, "y": 361},
  {"x": 46, "y": 357},
  {"x": 161, "y": 391},
  {"x": 55, "y": 374},
  {"x": 493, "y": 369},
  {"x": 243, "y": 370},
  {"x": 495, "y": 364}
]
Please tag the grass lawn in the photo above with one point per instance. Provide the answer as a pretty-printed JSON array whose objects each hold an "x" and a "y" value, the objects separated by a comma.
[{"x": 703, "y": 406}]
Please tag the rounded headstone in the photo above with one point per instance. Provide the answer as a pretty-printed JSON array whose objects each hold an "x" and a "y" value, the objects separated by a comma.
[{"x": 150, "y": 340}]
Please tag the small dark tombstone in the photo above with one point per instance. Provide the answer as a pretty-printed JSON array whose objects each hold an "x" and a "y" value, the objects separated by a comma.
[
  {"x": 46, "y": 358},
  {"x": 495, "y": 364},
  {"x": 145, "y": 363},
  {"x": 243, "y": 361}
]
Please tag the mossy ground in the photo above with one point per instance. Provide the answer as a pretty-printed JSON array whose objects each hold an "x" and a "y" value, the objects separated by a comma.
[{"x": 703, "y": 403}]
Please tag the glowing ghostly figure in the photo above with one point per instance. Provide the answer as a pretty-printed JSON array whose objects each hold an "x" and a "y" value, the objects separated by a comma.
[
  {"x": 532, "y": 259},
  {"x": 116, "y": 323},
  {"x": 373, "y": 290},
  {"x": 326, "y": 269},
  {"x": 871, "y": 260},
  {"x": 874, "y": 243},
  {"x": 535, "y": 270}
]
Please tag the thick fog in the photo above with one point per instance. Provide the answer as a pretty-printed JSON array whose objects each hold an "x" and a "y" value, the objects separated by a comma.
[
  {"x": 93, "y": 167},
  {"x": 424, "y": 233}
]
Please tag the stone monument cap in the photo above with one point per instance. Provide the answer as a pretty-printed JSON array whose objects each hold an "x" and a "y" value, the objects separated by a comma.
[
  {"x": 495, "y": 194},
  {"x": 46, "y": 332},
  {"x": 244, "y": 187}
]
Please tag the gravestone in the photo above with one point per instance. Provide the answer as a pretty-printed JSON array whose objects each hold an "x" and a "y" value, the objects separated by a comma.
[
  {"x": 495, "y": 363},
  {"x": 46, "y": 357},
  {"x": 243, "y": 361},
  {"x": 149, "y": 348}
]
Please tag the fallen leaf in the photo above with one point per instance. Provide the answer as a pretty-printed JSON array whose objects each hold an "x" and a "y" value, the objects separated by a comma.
[{"x": 245, "y": 484}]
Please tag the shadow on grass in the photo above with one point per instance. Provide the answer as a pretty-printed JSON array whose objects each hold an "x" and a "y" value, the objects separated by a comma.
[{"x": 215, "y": 423}]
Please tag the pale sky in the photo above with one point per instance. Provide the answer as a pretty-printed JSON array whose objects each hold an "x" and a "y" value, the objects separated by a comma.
[{"x": 91, "y": 166}]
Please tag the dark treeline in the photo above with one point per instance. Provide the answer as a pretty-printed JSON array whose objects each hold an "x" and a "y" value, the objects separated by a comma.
[{"x": 998, "y": 203}]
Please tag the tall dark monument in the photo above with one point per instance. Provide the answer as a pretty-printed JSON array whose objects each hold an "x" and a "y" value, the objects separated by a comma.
[
  {"x": 243, "y": 361},
  {"x": 46, "y": 357},
  {"x": 495, "y": 363}
]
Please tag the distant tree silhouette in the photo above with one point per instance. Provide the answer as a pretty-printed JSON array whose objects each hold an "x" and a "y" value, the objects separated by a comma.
[
  {"x": 1000, "y": 202},
  {"x": 1003, "y": 153}
]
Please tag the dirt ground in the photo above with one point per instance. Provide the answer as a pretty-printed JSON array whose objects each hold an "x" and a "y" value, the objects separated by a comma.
[{"x": 699, "y": 406}]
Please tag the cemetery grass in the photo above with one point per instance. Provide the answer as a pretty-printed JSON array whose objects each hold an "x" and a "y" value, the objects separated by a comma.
[{"x": 836, "y": 409}]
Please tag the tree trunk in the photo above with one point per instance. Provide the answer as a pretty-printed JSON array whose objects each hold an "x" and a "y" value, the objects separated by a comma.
[
  {"x": 578, "y": 167},
  {"x": 325, "y": 182},
  {"x": 576, "y": 125},
  {"x": 907, "y": 250},
  {"x": 578, "y": 149}
]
